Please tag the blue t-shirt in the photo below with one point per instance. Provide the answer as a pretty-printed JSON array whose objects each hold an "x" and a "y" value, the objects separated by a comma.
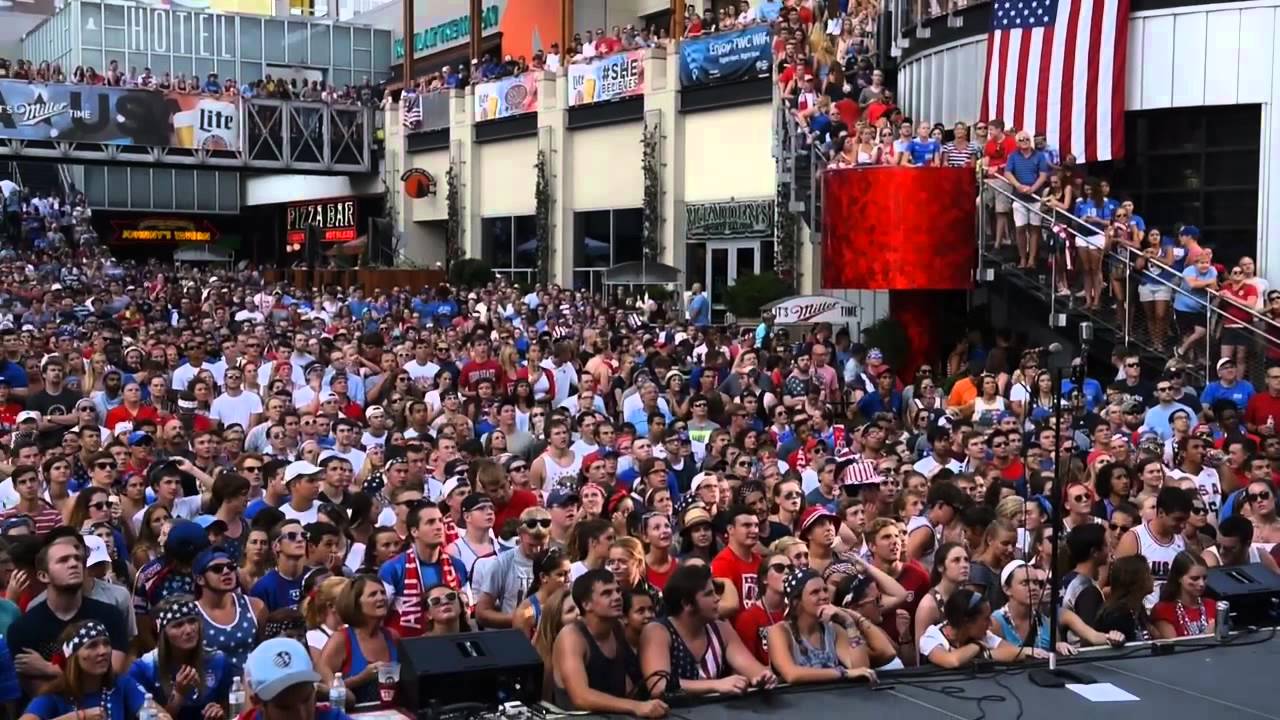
[
  {"x": 923, "y": 152},
  {"x": 277, "y": 591},
  {"x": 392, "y": 572},
  {"x": 1085, "y": 208},
  {"x": 9, "y": 688},
  {"x": 214, "y": 686},
  {"x": 1027, "y": 169},
  {"x": 14, "y": 373},
  {"x": 700, "y": 311},
  {"x": 1239, "y": 393},
  {"x": 125, "y": 701},
  {"x": 1188, "y": 299},
  {"x": 1093, "y": 395},
  {"x": 1148, "y": 277}
]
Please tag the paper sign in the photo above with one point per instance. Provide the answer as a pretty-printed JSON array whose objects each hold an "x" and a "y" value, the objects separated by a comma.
[{"x": 1101, "y": 692}]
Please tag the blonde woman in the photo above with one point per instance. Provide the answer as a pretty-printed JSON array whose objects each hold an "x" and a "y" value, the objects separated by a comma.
[
  {"x": 626, "y": 562},
  {"x": 558, "y": 611},
  {"x": 94, "y": 370},
  {"x": 320, "y": 610}
]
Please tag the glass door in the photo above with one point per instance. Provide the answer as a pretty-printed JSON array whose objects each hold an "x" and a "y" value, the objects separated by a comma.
[{"x": 726, "y": 262}]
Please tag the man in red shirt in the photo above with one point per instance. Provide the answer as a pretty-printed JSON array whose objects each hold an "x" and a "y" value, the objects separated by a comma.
[
  {"x": 739, "y": 562},
  {"x": 1262, "y": 414},
  {"x": 481, "y": 366},
  {"x": 1010, "y": 465},
  {"x": 884, "y": 536},
  {"x": 995, "y": 154},
  {"x": 508, "y": 502}
]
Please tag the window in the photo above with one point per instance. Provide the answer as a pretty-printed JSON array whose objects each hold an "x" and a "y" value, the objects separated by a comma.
[
  {"x": 509, "y": 245},
  {"x": 1198, "y": 166},
  {"x": 602, "y": 239}
]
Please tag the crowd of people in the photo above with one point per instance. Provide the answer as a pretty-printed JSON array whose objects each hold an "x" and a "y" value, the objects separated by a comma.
[{"x": 366, "y": 93}]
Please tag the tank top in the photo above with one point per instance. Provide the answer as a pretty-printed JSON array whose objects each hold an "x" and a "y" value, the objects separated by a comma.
[
  {"x": 1009, "y": 631},
  {"x": 684, "y": 666},
  {"x": 536, "y": 605},
  {"x": 604, "y": 674},
  {"x": 926, "y": 559},
  {"x": 557, "y": 474},
  {"x": 1159, "y": 555},
  {"x": 235, "y": 640},
  {"x": 357, "y": 662},
  {"x": 807, "y": 656}
]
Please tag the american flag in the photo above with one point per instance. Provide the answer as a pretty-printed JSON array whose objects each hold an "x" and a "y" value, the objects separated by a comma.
[
  {"x": 1058, "y": 67},
  {"x": 860, "y": 472},
  {"x": 410, "y": 110}
]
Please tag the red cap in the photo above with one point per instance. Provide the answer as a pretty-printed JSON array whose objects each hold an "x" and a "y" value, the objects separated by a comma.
[{"x": 813, "y": 515}]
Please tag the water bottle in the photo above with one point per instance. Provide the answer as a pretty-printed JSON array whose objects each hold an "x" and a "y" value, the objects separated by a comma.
[
  {"x": 338, "y": 692},
  {"x": 150, "y": 710},
  {"x": 1222, "y": 623},
  {"x": 236, "y": 698}
]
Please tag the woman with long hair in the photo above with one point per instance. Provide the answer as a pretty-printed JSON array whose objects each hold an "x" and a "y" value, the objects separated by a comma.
[
  {"x": 365, "y": 644},
  {"x": 255, "y": 562},
  {"x": 813, "y": 644},
  {"x": 87, "y": 682},
  {"x": 558, "y": 611},
  {"x": 753, "y": 623},
  {"x": 965, "y": 635},
  {"x": 320, "y": 610},
  {"x": 1124, "y": 610},
  {"x": 134, "y": 498},
  {"x": 92, "y": 506},
  {"x": 949, "y": 574},
  {"x": 1022, "y": 622},
  {"x": 185, "y": 679},
  {"x": 1183, "y": 610},
  {"x": 550, "y": 575},
  {"x": 445, "y": 611},
  {"x": 1094, "y": 215},
  {"x": 697, "y": 539},
  {"x": 147, "y": 545},
  {"x": 626, "y": 562},
  {"x": 1155, "y": 284}
]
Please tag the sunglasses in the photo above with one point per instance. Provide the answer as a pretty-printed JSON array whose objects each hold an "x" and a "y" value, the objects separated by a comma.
[
  {"x": 409, "y": 503},
  {"x": 105, "y": 465},
  {"x": 1079, "y": 498},
  {"x": 534, "y": 524},
  {"x": 518, "y": 468},
  {"x": 100, "y": 505},
  {"x": 1117, "y": 527},
  {"x": 1254, "y": 497},
  {"x": 1199, "y": 510},
  {"x": 780, "y": 568},
  {"x": 292, "y": 535},
  {"x": 220, "y": 568},
  {"x": 448, "y": 598}
]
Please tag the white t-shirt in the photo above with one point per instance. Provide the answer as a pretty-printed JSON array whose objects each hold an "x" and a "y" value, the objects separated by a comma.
[
  {"x": 369, "y": 440},
  {"x": 422, "y": 372},
  {"x": 185, "y": 374},
  {"x": 932, "y": 639},
  {"x": 355, "y": 456},
  {"x": 305, "y": 517},
  {"x": 1210, "y": 487},
  {"x": 184, "y": 508},
  {"x": 235, "y": 410}
]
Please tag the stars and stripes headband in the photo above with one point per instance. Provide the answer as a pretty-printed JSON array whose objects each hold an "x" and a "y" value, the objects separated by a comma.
[
  {"x": 88, "y": 632},
  {"x": 287, "y": 626},
  {"x": 175, "y": 611},
  {"x": 793, "y": 586}
]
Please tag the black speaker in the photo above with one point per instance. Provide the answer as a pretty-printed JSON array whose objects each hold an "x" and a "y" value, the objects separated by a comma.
[
  {"x": 1252, "y": 590},
  {"x": 491, "y": 668}
]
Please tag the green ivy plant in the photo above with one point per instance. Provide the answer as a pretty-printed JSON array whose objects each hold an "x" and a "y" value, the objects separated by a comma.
[
  {"x": 785, "y": 250},
  {"x": 453, "y": 228},
  {"x": 651, "y": 235},
  {"x": 542, "y": 217}
]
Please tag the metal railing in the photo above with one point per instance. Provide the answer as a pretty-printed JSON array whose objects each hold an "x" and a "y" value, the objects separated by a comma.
[{"x": 1121, "y": 276}]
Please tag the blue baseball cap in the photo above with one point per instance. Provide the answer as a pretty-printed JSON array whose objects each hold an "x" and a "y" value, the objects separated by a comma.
[
  {"x": 1190, "y": 231},
  {"x": 277, "y": 665},
  {"x": 138, "y": 438},
  {"x": 207, "y": 558},
  {"x": 561, "y": 496}
]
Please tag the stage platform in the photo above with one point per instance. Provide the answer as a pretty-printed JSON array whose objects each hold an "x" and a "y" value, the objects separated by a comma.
[{"x": 1201, "y": 678}]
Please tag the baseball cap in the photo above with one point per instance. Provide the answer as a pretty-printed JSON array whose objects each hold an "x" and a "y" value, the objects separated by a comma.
[
  {"x": 700, "y": 478},
  {"x": 372, "y": 410},
  {"x": 209, "y": 522},
  {"x": 454, "y": 483},
  {"x": 328, "y": 396},
  {"x": 97, "y": 548},
  {"x": 561, "y": 496},
  {"x": 1190, "y": 231},
  {"x": 475, "y": 501},
  {"x": 26, "y": 415},
  {"x": 207, "y": 558},
  {"x": 277, "y": 665},
  {"x": 138, "y": 438},
  {"x": 298, "y": 468},
  {"x": 186, "y": 540},
  {"x": 813, "y": 515},
  {"x": 1224, "y": 362}
]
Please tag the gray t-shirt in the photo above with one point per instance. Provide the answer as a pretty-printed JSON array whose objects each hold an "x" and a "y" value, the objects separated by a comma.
[
  {"x": 111, "y": 594},
  {"x": 505, "y": 578}
]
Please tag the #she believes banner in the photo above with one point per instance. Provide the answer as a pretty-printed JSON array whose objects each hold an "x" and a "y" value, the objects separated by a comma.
[{"x": 610, "y": 78}]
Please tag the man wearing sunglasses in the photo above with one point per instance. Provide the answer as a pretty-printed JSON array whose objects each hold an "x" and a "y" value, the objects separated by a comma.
[
  {"x": 504, "y": 582},
  {"x": 424, "y": 564},
  {"x": 231, "y": 618}
]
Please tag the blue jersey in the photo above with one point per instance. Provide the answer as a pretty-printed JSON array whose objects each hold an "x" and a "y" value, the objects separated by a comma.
[
  {"x": 277, "y": 591},
  {"x": 215, "y": 684},
  {"x": 392, "y": 572},
  {"x": 124, "y": 701}
]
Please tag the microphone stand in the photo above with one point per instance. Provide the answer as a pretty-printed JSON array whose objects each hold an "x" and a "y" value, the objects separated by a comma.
[{"x": 1054, "y": 676}]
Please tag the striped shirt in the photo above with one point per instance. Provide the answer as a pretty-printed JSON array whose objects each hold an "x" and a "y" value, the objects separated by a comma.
[
  {"x": 956, "y": 157},
  {"x": 45, "y": 519}
]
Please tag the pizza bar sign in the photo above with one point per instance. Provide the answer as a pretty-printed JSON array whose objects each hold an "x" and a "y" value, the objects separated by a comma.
[{"x": 336, "y": 220}]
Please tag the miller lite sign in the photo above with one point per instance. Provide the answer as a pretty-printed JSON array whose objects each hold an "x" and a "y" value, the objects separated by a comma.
[{"x": 810, "y": 309}]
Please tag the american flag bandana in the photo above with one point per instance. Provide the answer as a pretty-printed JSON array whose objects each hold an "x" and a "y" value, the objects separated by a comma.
[{"x": 90, "y": 631}]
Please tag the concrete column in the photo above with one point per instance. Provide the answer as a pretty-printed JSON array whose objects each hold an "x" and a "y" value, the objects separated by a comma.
[
  {"x": 555, "y": 141},
  {"x": 661, "y": 103},
  {"x": 465, "y": 160}
]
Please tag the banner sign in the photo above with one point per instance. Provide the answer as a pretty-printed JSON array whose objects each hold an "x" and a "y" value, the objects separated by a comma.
[
  {"x": 615, "y": 76},
  {"x": 726, "y": 56},
  {"x": 117, "y": 116},
  {"x": 164, "y": 230},
  {"x": 335, "y": 218},
  {"x": 435, "y": 110},
  {"x": 801, "y": 309},
  {"x": 729, "y": 220},
  {"x": 448, "y": 33},
  {"x": 509, "y": 96}
]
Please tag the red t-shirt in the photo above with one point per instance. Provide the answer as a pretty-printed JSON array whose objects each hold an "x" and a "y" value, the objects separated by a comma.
[
  {"x": 1168, "y": 611},
  {"x": 659, "y": 579},
  {"x": 473, "y": 372},
  {"x": 120, "y": 413},
  {"x": 1261, "y": 407},
  {"x": 742, "y": 573},
  {"x": 915, "y": 580},
  {"x": 1014, "y": 471},
  {"x": 520, "y": 500},
  {"x": 998, "y": 153},
  {"x": 753, "y": 626}
]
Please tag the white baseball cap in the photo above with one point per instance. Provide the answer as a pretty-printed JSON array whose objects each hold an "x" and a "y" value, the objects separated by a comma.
[
  {"x": 97, "y": 548},
  {"x": 298, "y": 468}
]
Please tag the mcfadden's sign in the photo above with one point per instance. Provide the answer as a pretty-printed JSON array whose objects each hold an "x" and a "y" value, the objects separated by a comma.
[{"x": 808, "y": 309}]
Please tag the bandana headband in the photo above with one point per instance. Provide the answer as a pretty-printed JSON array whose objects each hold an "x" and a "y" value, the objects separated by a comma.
[
  {"x": 176, "y": 611},
  {"x": 794, "y": 584},
  {"x": 89, "y": 632}
]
